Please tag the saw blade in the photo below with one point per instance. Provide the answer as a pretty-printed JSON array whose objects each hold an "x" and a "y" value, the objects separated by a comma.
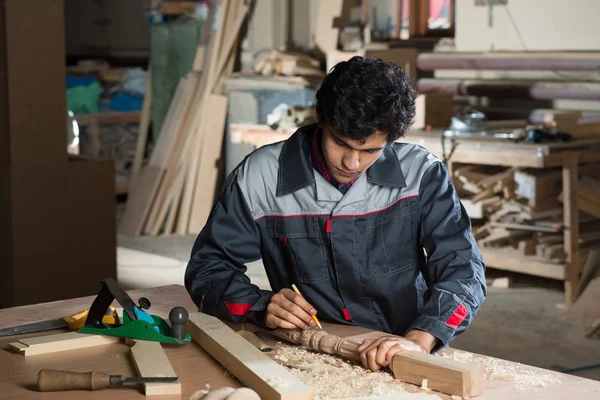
[{"x": 34, "y": 327}]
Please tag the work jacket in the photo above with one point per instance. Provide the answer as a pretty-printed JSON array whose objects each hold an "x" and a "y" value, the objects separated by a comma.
[{"x": 394, "y": 253}]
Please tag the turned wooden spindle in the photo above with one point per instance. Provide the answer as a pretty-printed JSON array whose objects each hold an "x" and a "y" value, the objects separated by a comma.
[
  {"x": 320, "y": 341},
  {"x": 443, "y": 375}
]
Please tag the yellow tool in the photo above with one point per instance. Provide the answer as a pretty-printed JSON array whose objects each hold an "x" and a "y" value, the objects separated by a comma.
[
  {"x": 314, "y": 317},
  {"x": 73, "y": 322}
]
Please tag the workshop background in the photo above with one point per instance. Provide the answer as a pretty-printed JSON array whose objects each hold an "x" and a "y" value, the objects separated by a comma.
[{"x": 120, "y": 120}]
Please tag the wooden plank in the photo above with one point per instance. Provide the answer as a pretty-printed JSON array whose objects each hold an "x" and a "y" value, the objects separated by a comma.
[
  {"x": 590, "y": 268},
  {"x": 585, "y": 310},
  {"x": 442, "y": 375},
  {"x": 171, "y": 128},
  {"x": 251, "y": 366},
  {"x": 193, "y": 127},
  {"x": 47, "y": 344},
  {"x": 140, "y": 200},
  {"x": 151, "y": 361},
  {"x": 203, "y": 146},
  {"x": 508, "y": 259},
  {"x": 571, "y": 226},
  {"x": 143, "y": 128},
  {"x": 211, "y": 151}
]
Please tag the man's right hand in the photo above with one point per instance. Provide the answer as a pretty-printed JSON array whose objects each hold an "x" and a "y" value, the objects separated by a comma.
[{"x": 289, "y": 310}]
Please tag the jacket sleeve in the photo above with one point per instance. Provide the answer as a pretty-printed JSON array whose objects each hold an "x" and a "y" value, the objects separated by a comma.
[
  {"x": 455, "y": 271},
  {"x": 215, "y": 275}
]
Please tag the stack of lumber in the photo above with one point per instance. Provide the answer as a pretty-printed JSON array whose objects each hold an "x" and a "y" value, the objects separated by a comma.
[
  {"x": 569, "y": 122},
  {"x": 175, "y": 191},
  {"x": 522, "y": 209},
  {"x": 287, "y": 64}
]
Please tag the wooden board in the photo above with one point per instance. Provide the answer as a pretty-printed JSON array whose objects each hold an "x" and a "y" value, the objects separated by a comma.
[
  {"x": 143, "y": 128},
  {"x": 208, "y": 173},
  {"x": 140, "y": 200},
  {"x": 251, "y": 366},
  {"x": 151, "y": 361},
  {"x": 47, "y": 344},
  {"x": 441, "y": 374}
]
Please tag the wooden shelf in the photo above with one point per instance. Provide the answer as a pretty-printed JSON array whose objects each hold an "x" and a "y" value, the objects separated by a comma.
[
  {"x": 509, "y": 259},
  {"x": 109, "y": 118}
]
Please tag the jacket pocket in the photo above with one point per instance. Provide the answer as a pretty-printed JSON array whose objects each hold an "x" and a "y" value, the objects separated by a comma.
[
  {"x": 302, "y": 245},
  {"x": 392, "y": 239}
]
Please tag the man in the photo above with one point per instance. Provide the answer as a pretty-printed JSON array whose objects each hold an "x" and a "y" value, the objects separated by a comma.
[{"x": 347, "y": 214}]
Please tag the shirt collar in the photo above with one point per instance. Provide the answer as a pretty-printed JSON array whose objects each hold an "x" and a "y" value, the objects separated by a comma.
[{"x": 295, "y": 171}]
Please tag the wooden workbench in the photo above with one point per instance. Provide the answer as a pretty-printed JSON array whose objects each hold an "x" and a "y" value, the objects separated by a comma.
[
  {"x": 194, "y": 366},
  {"x": 568, "y": 156}
]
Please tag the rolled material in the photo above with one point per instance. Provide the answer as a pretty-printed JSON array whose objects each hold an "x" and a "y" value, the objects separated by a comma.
[
  {"x": 510, "y": 61},
  {"x": 512, "y": 89}
]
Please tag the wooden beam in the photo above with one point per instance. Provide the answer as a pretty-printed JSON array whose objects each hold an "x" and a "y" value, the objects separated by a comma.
[
  {"x": 151, "y": 361},
  {"x": 140, "y": 147},
  {"x": 60, "y": 342},
  {"x": 251, "y": 366},
  {"x": 442, "y": 375},
  {"x": 571, "y": 226}
]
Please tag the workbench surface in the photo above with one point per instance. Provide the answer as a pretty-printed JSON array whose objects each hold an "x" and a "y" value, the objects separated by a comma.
[{"x": 195, "y": 367}]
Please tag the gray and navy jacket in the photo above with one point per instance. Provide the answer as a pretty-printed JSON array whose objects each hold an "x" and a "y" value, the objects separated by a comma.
[{"x": 394, "y": 253}]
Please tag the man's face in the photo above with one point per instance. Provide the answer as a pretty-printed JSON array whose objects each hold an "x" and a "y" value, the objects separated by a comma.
[{"x": 348, "y": 158}]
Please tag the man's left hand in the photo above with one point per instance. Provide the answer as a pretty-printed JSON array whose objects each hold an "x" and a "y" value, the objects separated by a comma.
[{"x": 378, "y": 353}]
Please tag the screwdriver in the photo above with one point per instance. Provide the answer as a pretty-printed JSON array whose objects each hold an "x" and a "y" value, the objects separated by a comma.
[{"x": 50, "y": 380}]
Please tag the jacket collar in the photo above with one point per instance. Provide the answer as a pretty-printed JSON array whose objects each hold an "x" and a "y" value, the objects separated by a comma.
[{"x": 295, "y": 172}]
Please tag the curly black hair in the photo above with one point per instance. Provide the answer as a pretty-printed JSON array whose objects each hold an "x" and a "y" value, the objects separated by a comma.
[{"x": 362, "y": 95}]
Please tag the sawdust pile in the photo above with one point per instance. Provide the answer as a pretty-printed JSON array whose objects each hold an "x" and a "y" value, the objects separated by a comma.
[
  {"x": 332, "y": 377},
  {"x": 522, "y": 377}
]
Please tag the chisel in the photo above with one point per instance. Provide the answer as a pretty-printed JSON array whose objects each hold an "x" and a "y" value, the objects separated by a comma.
[{"x": 50, "y": 380}]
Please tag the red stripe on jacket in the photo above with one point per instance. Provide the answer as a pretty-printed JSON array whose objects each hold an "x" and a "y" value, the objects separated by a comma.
[
  {"x": 238, "y": 309},
  {"x": 458, "y": 316}
]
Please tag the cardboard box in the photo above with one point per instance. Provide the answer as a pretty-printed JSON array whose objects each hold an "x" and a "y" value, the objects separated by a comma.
[{"x": 434, "y": 110}]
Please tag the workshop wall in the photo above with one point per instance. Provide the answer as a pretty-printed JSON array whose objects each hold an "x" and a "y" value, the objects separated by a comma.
[{"x": 518, "y": 26}]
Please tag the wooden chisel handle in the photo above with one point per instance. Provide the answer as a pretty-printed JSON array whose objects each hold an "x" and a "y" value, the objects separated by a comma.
[{"x": 53, "y": 380}]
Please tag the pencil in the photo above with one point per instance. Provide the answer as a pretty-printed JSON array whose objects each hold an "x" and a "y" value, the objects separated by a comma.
[{"x": 314, "y": 317}]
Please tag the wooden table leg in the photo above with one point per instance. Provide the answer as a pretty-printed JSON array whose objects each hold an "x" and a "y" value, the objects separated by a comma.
[{"x": 571, "y": 226}]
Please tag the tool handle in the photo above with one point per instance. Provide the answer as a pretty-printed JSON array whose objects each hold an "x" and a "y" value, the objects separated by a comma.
[
  {"x": 78, "y": 319},
  {"x": 54, "y": 380}
]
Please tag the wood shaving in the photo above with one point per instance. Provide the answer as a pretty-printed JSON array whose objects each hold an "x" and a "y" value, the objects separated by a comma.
[
  {"x": 277, "y": 382},
  {"x": 522, "y": 377},
  {"x": 333, "y": 378}
]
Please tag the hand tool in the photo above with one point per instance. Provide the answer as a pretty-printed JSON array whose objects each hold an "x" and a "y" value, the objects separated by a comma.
[
  {"x": 50, "y": 380},
  {"x": 314, "y": 317},
  {"x": 73, "y": 321},
  {"x": 136, "y": 323}
]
